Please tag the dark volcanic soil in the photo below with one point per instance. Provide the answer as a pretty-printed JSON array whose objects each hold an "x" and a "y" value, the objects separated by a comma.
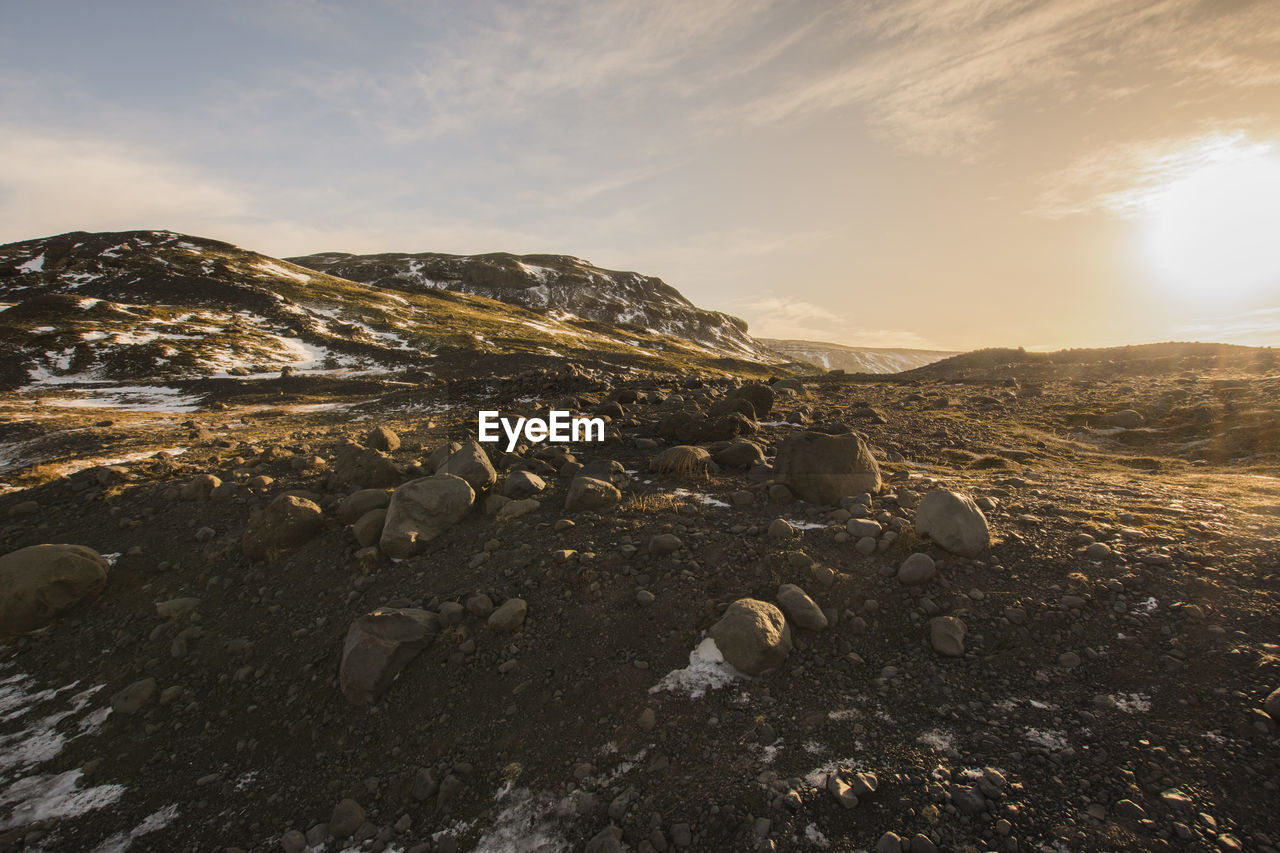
[{"x": 1101, "y": 704}]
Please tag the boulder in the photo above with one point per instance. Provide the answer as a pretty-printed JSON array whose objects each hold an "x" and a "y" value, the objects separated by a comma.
[
  {"x": 509, "y": 616},
  {"x": 760, "y": 396},
  {"x": 954, "y": 522},
  {"x": 682, "y": 425},
  {"x": 358, "y": 503},
  {"x": 40, "y": 582},
  {"x": 522, "y": 484},
  {"x": 364, "y": 466},
  {"x": 382, "y": 438},
  {"x": 946, "y": 635},
  {"x": 199, "y": 487},
  {"x": 514, "y": 509},
  {"x": 588, "y": 493},
  {"x": 664, "y": 543},
  {"x": 608, "y": 470},
  {"x": 918, "y": 568},
  {"x": 732, "y": 404},
  {"x": 287, "y": 523},
  {"x": 1272, "y": 704},
  {"x": 725, "y": 427},
  {"x": 753, "y": 636},
  {"x": 472, "y": 464},
  {"x": 822, "y": 468},
  {"x": 378, "y": 646},
  {"x": 131, "y": 699},
  {"x": 800, "y": 609},
  {"x": 438, "y": 456},
  {"x": 368, "y": 527},
  {"x": 421, "y": 510},
  {"x": 740, "y": 454}
]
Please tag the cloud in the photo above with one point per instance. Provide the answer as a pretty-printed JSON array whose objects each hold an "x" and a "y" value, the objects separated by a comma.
[
  {"x": 1129, "y": 179},
  {"x": 52, "y": 184},
  {"x": 935, "y": 75},
  {"x": 1260, "y": 327},
  {"x": 776, "y": 317}
]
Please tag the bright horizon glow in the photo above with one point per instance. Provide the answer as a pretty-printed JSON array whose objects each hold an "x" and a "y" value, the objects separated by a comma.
[{"x": 1215, "y": 233}]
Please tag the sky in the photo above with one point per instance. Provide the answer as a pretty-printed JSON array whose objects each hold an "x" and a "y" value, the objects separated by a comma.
[{"x": 946, "y": 174}]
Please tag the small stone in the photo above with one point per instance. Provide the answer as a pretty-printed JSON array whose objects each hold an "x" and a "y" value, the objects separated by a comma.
[
  {"x": 917, "y": 569},
  {"x": 890, "y": 842},
  {"x": 347, "y": 817},
  {"x": 946, "y": 635},
  {"x": 510, "y": 616},
  {"x": 780, "y": 528},
  {"x": 131, "y": 699},
  {"x": 664, "y": 543},
  {"x": 1129, "y": 810},
  {"x": 800, "y": 609}
]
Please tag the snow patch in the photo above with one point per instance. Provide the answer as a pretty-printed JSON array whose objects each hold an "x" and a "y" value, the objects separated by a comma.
[
  {"x": 153, "y": 822},
  {"x": 55, "y": 796},
  {"x": 707, "y": 670},
  {"x": 36, "y": 264},
  {"x": 699, "y": 496},
  {"x": 276, "y": 269}
]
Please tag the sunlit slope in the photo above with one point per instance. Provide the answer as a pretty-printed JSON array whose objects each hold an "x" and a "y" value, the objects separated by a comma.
[{"x": 159, "y": 305}]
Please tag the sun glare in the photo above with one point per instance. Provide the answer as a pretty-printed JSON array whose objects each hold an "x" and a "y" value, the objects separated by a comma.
[{"x": 1215, "y": 232}]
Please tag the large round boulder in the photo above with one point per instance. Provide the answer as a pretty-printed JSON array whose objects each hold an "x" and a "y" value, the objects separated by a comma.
[
  {"x": 822, "y": 468},
  {"x": 421, "y": 510},
  {"x": 954, "y": 522},
  {"x": 41, "y": 582},
  {"x": 753, "y": 636},
  {"x": 760, "y": 396}
]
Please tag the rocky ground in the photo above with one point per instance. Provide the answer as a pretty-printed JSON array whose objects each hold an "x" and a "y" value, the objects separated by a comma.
[{"x": 1095, "y": 675}]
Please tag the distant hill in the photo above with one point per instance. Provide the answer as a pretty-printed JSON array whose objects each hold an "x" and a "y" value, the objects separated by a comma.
[
  {"x": 556, "y": 284},
  {"x": 155, "y": 305},
  {"x": 854, "y": 359},
  {"x": 1000, "y": 364}
]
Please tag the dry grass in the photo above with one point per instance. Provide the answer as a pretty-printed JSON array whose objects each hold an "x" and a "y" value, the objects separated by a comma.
[
  {"x": 651, "y": 503},
  {"x": 683, "y": 461}
]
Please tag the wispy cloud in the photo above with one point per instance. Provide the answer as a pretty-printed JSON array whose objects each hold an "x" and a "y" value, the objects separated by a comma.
[
  {"x": 52, "y": 184},
  {"x": 1260, "y": 327},
  {"x": 936, "y": 76},
  {"x": 777, "y": 317},
  {"x": 1128, "y": 179}
]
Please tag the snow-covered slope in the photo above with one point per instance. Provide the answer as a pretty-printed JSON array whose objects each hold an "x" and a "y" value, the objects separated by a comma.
[
  {"x": 855, "y": 359},
  {"x": 154, "y": 305},
  {"x": 551, "y": 282}
]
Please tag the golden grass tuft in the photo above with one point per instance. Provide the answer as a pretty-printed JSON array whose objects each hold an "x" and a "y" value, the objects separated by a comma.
[{"x": 683, "y": 460}]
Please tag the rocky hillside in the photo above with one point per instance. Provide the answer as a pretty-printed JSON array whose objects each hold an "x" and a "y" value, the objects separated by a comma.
[
  {"x": 557, "y": 284},
  {"x": 854, "y": 359},
  {"x": 159, "y": 306}
]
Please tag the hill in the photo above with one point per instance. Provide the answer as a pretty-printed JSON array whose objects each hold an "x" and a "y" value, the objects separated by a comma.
[
  {"x": 158, "y": 306},
  {"x": 557, "y": 284},
  {"x": 855, "y": 359}
]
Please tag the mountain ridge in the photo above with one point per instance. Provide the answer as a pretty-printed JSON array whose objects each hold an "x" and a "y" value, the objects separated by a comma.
[
  {"x": 548, "y": 282},
  {"x": 143, "y": 305},
  {"x": 832, "y": 356}
]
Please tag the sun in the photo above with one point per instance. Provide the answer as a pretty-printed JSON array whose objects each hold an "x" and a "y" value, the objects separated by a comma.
[{"x": 1215, "y": 231}]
